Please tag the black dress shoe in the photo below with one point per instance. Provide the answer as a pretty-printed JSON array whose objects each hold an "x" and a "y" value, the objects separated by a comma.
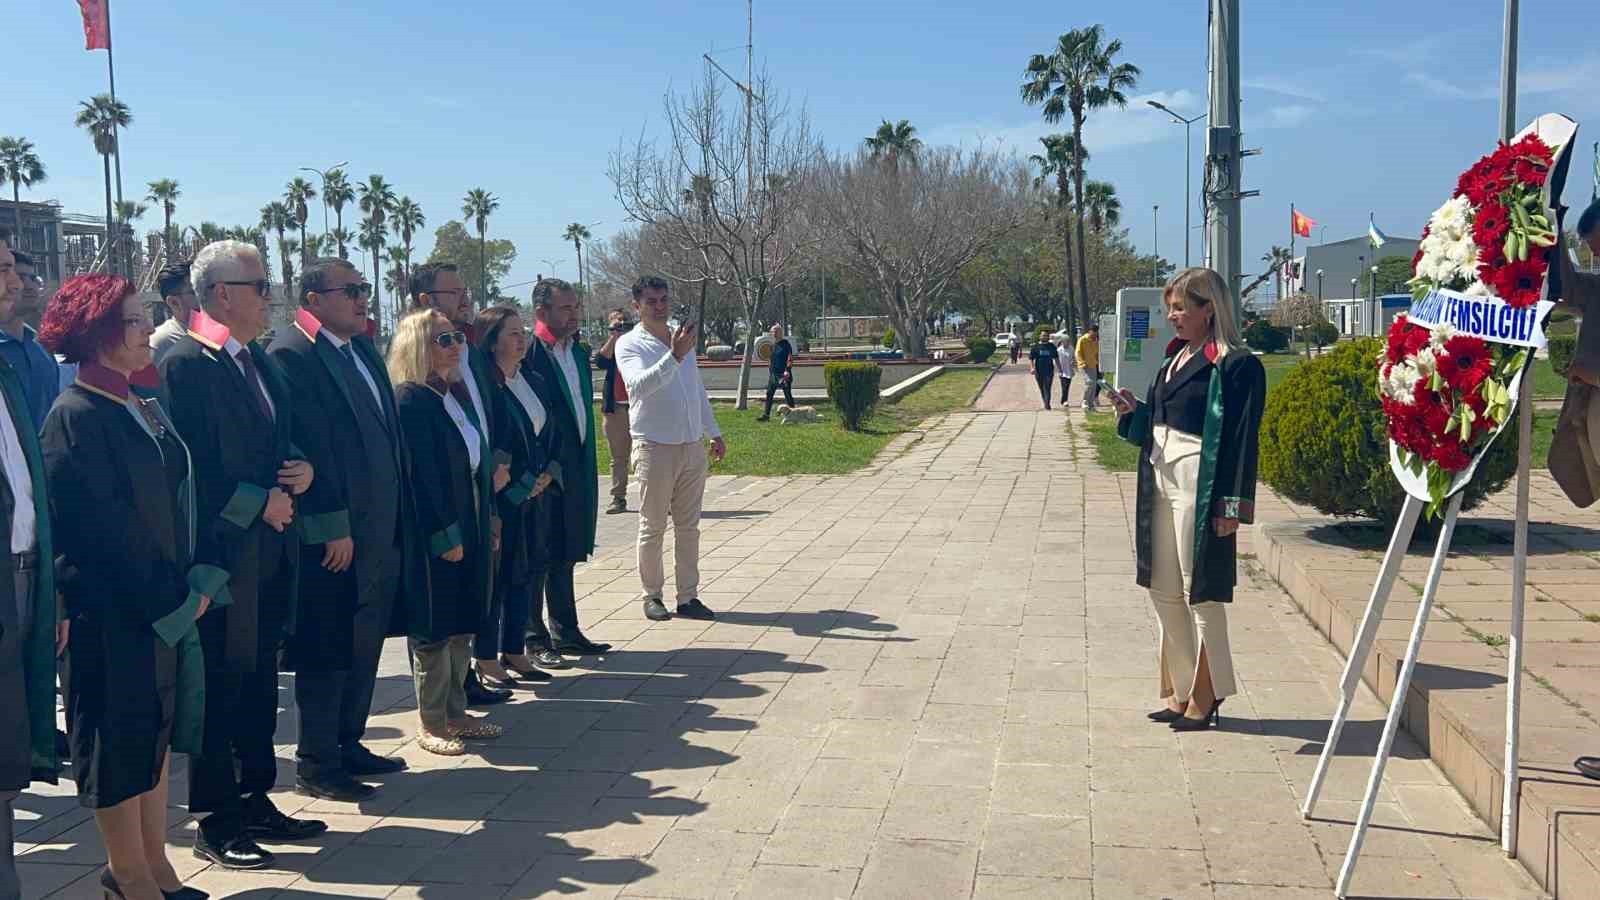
[
  {"x": 582, "y": 646},
  {"x": 264, "y": 822},
  {"x": 362, "y": 761},
  {"x": 237, "y": 852},
  {"x": 478, "y": 695},
  {"x": 185, "y": 893},
  {"x": 547, "y": 658},
  {"x": 525, "y": 675},
  {"x": 339, "y": 787},
  {"x": 694, "y": 609}
]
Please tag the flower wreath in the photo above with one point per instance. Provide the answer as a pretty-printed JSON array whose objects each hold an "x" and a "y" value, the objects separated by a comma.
[{"x": 1447, "y": 394}]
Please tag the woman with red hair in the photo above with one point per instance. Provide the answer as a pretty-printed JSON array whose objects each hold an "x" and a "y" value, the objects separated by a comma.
[{"x": 122, "y": 515}]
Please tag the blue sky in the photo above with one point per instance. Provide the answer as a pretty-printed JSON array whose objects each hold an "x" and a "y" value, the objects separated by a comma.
[{"x": 1358, "y": 106}]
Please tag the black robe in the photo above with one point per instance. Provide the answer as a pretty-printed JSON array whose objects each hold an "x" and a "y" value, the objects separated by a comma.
[
  {"x": 237, "y": 452},
  {"x": 526, "y": 531},
  {"x": 326, "y": 429},
  {"x": 122, "y": 522},
  {"x": 1221, "y": 402},
  {"x": 578, "y": 498},
  {"x": 453, "y": 509}
]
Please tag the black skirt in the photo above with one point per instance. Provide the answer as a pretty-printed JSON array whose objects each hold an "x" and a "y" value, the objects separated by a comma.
[{"x": 121, "y": 687}]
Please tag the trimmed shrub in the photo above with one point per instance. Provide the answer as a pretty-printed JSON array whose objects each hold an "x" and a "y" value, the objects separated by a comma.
[
  {"x": 853, "y": 388},
  {"x": 1561, "y": 349},
  {"x": 980, "y": 348},
  {"x": 719, "y": 353},
  {"x": 1322, "y": 334},
  {"x": 889, "y": 338},
  {"x": 1324, "y": 440},
  {"x": 1262, "y": 336}
]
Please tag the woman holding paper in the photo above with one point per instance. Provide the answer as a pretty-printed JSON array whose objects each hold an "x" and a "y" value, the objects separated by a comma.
[{"x": 1197, "y": 433}]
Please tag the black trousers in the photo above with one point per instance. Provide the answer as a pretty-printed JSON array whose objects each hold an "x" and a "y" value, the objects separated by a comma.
[
  {"x": 774, "y": 382},
  {"x": 505, "y": 629},
  {"x": 236, "y": 758},
  {"x": 1045, "y": 378},
  {"x": 334, "y": 705},
  {"x": 552, "y": 593}
]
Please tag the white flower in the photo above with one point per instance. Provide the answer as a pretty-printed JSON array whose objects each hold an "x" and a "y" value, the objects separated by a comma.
[
  {"x": 1426, "y": 362},
  {"x": 1400, "y": 382},
  {"x": 1438, "y": 335},
  {"x": 1478, "y": 289}
]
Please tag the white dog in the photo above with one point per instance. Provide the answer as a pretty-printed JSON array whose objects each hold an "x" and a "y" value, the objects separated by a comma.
[{"x": 794, "y": 415}]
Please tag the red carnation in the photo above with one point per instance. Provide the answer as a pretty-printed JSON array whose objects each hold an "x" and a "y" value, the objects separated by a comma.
[
  {"x": 1489, "y": 228},
  {"x": 1466, "y": 363},
  {"x": 1517, "y": 282},
  {"x": 1451, "y": 456},
  {"x": 1435, "y": 415}
]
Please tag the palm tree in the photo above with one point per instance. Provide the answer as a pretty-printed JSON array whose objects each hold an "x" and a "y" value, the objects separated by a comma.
[
  {"x": 478, "y": 205},
  {"x": 295, "y": 196},
  {"x": 1101, "y": 205},
  {"x": 1077, "y": 76},
  {"x": 20, "y": 166},
  {"x": 395, "y": 277},
  {"x": 377, "y": 201},
  {"x": 102, "y": 116},
  {"x": 275, "y": 218},
  {"x": 1276, "y": 259},
  {"x": 893, "y": 140},
  {"x": 577, "y": 234},
  {"x": 166, "y": 193},
  {"x": 287, "y": 249},
  {"x": 374, "y": 237},
  {"x": 1056, "y": 164},
  {"x": 342, "y": 237},
  {"x": 408, "y": 220},
  {"x": 128, "y": 212},
  {"x": 337, "y": 192}
]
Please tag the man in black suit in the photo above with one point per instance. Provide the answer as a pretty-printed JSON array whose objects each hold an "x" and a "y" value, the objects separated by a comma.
[
  {"x": 354, "y": 524},
  {"x": 231, "y": 405},
  {"x": 438, "y": 286}
]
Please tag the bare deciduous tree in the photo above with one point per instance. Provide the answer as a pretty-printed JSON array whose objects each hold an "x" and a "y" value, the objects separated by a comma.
[
  {"x": 1296, "y": 311},
  {"x": 719, "y": 193},
  {"x": 909, "y": 232}
]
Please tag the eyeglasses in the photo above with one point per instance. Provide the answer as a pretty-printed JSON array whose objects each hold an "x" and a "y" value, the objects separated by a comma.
[
  {"x": 355, "y": 291},
  {"x": 451, "y": 337},
  {"x": 260, "y": 284}
]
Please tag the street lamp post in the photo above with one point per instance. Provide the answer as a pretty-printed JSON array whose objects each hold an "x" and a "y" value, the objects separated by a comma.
[
  {"x": 1319, "y": 287},
  {"x": 1155, "y": 245},
  {"x": 323, "y": 174},
  {"x": 1186, "y": 146},
  {"x": 1353, "y": 296},
  {"x": 1374, "y": 288}
]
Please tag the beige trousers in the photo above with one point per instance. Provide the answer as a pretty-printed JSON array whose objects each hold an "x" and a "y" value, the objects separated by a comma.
[
  {"x": 1186, "y": 628},
  {"x": 672, "y": 483},
  {"x": 621, "y": 441},
  {"x": 439, "y": 671}
]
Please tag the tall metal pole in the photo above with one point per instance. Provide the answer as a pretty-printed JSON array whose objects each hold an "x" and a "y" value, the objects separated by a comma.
[
  {"x": 1222, "y": 146},
  {"x": 116, "y": 141},
  {"x": 1519, "y": 550},
  {"x": 1155, "y": 245},
  {"x": 1188, "y": 198}
]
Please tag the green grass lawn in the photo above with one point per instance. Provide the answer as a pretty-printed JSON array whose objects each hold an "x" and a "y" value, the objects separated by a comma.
[
  {"x": 824, "y": 448},
  {"x": 1111, "y": 451}
]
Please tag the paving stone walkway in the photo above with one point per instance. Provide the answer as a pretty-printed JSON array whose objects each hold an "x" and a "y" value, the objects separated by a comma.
[{"x": 927, "y": 680}]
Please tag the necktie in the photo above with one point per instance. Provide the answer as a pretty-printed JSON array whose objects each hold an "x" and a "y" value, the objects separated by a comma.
[
  {"x": 254, "y": 380},
  {"x": 366, "y": 400}
]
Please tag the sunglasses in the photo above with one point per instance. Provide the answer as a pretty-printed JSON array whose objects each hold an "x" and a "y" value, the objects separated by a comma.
[
  {"x": 355, "y": 291},
  {"x": 451, "y": 337},
  {"x": 261, "y": 285}
]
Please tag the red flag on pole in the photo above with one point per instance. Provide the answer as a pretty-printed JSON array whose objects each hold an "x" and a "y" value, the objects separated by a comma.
[
  {"x": 1301, "y": 223},
  {"x": 96, "y": 24}
]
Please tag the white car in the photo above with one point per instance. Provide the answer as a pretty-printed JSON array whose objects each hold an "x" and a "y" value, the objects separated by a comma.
[{"x": 1004, "y": 340}]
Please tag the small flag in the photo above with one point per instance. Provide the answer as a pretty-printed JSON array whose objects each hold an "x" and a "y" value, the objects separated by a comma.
[
  {"x": 1301, "y": 223},
  {"x": 96, "y": 24},
  {"x": 1377, "y": 237}
]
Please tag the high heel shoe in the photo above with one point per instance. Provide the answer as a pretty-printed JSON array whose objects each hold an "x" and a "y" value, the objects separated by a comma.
[
  {"x": 1184, "y": 723},
  {"x": 1164, "y": 715},
  {"x": 113, "y": 891}
]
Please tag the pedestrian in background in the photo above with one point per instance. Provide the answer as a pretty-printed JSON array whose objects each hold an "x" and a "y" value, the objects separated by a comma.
[
  {"x": 1188, "y": 514},
  {"x": 614, "y": 410},
  {"x": 1088, "y": 354},
  {"x": 1042, "y": 361},
  {"x": 780, "y": 372},
  {"x": 1068, "y": 359}
]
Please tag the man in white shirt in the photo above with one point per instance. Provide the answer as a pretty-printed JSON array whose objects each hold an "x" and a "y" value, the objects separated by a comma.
[
  {"x": 178, "y": 295},
  {"x": 670, "y": 419}
]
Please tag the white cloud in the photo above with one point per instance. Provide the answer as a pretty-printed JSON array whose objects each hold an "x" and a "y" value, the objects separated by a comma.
[
  {"x": 1440, "y": 88},
  {"x": 1288, "y": 87},
  {"x": 1104, "y": 129},
  {"x": 1287, "y": 116}
]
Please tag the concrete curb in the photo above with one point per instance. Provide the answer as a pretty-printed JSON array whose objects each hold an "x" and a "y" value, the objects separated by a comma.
[{"x": 1456, "y": 710}]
